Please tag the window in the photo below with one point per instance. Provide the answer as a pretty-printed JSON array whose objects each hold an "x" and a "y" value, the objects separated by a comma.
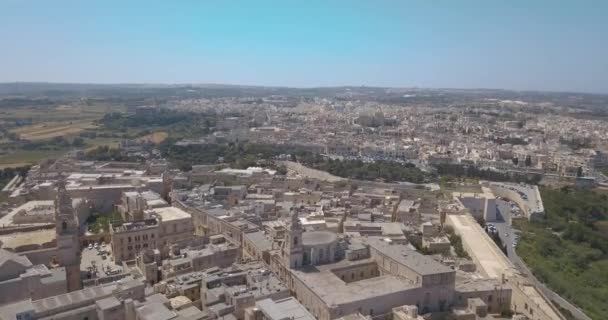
[{"x": 129, "y": 239}]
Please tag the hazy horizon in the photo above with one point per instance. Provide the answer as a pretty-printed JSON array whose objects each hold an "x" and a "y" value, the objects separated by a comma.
[
  {"x": 184, "y": 84},
  {"x": 521, "y": 46}
]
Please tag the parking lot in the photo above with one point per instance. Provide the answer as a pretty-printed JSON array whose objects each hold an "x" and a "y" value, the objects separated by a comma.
[
  {"x": 505, "y": 211},
  {"x": 98, "y": 262}
]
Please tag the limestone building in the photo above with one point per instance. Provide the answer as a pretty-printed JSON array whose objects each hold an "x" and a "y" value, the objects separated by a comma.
[
  {"x": 20, "y": 279},
  {"x": 159, "y": 228},
  {"x": 68, "y": 243},
  {"x": 131, "y": 237},
  {"x": 333, "y": 277}
]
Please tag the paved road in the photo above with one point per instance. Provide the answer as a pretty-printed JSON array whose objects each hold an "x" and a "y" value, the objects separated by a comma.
[{"x": 507, "y": 234}]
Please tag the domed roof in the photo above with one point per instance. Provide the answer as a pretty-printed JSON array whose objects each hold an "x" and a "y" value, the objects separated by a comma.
[{"x": 315, "y": 238}]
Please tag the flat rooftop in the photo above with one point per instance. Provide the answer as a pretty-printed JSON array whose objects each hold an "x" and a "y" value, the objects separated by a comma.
[
  {"x": 324, "y": 283},
  {"x": 31, "y": 208},
  {"x": 419, "y": 263},
  {"x": 485, "y": 194},
  {"x": 285, "y": 308},
  {"x": 488, "y": 257},
  {"x": 135, "y": 225},
  {"x": 172, "y": 213},
  {"x": 38, "y": 237},
  {"x": 470, "y": 284},
  {"x": 259, "y": 240},
  {"x": 314, "y": 238}
]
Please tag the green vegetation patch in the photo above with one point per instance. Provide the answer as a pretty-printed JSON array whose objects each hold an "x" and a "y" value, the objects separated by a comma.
[
  {"x": 101, "y": 222},
  {"x": 569, "y": 249},
  {"x": 8, "y": 173},
  {"x": 243, "y": 155},
  {"x": 465, "y": 171},
  {"x": 379, "y": 170}
]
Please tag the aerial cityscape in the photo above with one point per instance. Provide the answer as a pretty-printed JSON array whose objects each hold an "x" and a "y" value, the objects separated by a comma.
[{"x": 296, "y": 196}]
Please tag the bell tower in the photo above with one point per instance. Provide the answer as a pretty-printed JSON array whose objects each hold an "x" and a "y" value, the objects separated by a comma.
[
  {"x": 67, "y": 234},
  {"x": 292, "y": 252}
]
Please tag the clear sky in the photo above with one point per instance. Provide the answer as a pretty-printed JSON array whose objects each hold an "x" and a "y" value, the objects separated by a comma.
[{"x": 515, "y": 44}]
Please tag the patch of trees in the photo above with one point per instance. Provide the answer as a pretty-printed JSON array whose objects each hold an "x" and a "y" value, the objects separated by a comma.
[
  {"x": 25, "y": 102},
  {"x": 180, "y": 123},
  {"x": 577, "y": 143},
  {"x": 379, "y": 170},
  {"x": 568, "y": 250},
  {"x": 8, "y": 173},
  {"x": 155, "y": 117},
  {"x": 456, "y": 242},
  {"x": 243, "y": 155},
  {"x": 56, "y": 143},
  {"x": 237, "y": 155},
  {"x": 510, "y": 140},
  {"x": 105, "y": 153},
  {"x": 465, "y": 171},
  {"x": 101, "y": 222}
]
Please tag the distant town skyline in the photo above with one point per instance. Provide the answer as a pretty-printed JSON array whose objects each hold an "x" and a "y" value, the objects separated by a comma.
[{"x": 519, "y": 45}]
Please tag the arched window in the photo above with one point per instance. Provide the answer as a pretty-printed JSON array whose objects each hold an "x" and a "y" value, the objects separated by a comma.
[
  {"x": 64, "y": 225},
  {"x": 295, "y": 241}
]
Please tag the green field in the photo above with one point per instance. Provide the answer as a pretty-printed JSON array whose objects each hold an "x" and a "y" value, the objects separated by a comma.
[
  {"x": 24, "y": 157},
  {"x": 35, "y": 133}
]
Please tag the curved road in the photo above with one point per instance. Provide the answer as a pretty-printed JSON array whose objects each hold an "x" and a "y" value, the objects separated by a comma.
[{"x": 506, "y": 235}]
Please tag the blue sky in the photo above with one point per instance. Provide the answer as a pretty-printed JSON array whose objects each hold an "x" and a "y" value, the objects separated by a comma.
[{"x": 533, "y": 44}]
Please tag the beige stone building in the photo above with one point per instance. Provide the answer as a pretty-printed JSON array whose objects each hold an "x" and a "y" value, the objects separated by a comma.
[
  {"x": 162, "y": 227},
  {"x": 67, "y": 229},
  {"x": 268, "y": 309},
  {"x": 20, "y": 280},
  {"x": 133, "y": 204},
  {"x": 371, "y": 276}
]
